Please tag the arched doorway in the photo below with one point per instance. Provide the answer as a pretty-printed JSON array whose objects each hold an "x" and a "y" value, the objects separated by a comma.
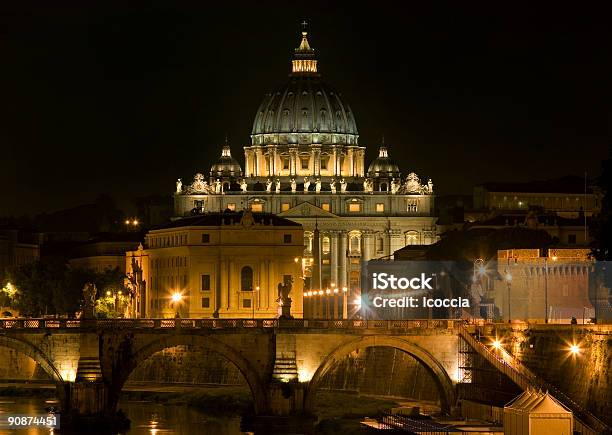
[
  {"x": 208, "y": 343},
  {"x": 437, "y": 372}
]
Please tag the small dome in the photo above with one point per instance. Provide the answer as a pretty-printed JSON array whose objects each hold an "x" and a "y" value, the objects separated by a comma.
[
  {"x": 383, "y": 166},
  {"x": 226, "y": 166}
]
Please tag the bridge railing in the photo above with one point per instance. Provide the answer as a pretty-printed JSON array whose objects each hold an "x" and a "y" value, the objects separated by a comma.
[{"x": 341, "y": 324}]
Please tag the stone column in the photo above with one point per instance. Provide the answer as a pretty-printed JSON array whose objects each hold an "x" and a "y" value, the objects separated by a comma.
[
  {"x": 366, "y": 242},
  {"x": 334, "y": 257},
  {"x": 351, "y": 162},
  {"x": 233, "y": 287},
  {"x": 293, "y": 156},
  {"x": 275, "y": 165},
  {"x": 258, "y": 162},
  {"x": 342, "y": 281},
  {"x": 316, "y": 255},
  {"x": 272, "y": 285},
  {"x": 263, "y": 289},
  {"x": 223, "y": 284},
  {"x": 334, "y": 161},
  {"x": 316, "y": 152}
]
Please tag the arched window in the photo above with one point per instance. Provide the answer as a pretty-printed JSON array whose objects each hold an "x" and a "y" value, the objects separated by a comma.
[
  {"x": 246, "y": 279},
  {"x": 383, "y": 187}
]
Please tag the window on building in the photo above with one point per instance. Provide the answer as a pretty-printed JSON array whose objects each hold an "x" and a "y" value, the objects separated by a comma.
[
  {"x": 205, "y": 302},
  {"x": 324, "y": 161},
  {"x": 246, "y": 279},
  {"x": 412, "y": 238},
  {"x": 304, "y": 162},
  {"x": 354, "y": 207},
  {"x": 412, "y": 206},
  {"x": 571, "y": 239},
  {"x": 205, "y": 238},
  {"x": 287, "y": 238},
  {"x": 325, "y": 206},
  {"x": 355, "y": 244},
  {"x": 380, "y": 244},
  {"x": 199, "y": 204},
  {"x": 257, "y": 207},
  {"x": 325, "y": 261},
  {"x": 380, "y": 207},
  {"x": 285, "y": 162},
  {"x": 285, "y": 206},
  {"x": 246, "y": 303},
  {"x": 383, "y": 187},
  {"x": 231, "y": 206},
  {"x": 325, "y": 245},
  {"x": 205, "y": 283}
]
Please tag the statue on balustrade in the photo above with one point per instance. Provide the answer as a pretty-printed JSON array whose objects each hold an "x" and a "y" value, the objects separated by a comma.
[{"x": 284, "y": 301}]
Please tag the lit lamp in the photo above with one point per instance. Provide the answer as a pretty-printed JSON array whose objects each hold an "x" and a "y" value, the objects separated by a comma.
[
  {"x": 508, "y": 278},
  {"x": 176, "y": 298},
  {"x": 574, "y": 349}
]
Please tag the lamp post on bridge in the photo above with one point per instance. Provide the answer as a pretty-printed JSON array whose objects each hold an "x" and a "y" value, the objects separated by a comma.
[{"x": 508, "y": 278}]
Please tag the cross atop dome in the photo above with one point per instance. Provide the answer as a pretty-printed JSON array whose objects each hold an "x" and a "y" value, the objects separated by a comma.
[{"x": 304, "y": 61}]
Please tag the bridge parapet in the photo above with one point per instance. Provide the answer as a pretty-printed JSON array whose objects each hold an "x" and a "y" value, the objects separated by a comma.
[{"x": 140, "y": 324}]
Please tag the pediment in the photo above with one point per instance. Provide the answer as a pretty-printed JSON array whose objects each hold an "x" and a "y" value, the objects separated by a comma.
[{"x": 306, "y": 209}]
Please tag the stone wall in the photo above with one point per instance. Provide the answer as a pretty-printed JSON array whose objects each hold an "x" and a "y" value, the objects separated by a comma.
[
  {"x": 382, "y": 371},
  {"x": 189, "y": 364},
  {"x": 16, "y": 365},
  {"x": 585, "y": 377}
]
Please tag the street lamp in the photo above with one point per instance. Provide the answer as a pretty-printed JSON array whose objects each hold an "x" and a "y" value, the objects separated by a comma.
[
  {"x": 176, "y": 298},
  {"x": 253, "y": 301},
  {"x": 508, "y": 278}
]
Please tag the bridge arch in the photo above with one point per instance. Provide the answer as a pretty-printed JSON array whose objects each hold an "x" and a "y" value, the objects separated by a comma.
[
  {"x": 444, "y": 383},
  {"x": 208, "y": 343},
  {"x": 35, "y": 353}
]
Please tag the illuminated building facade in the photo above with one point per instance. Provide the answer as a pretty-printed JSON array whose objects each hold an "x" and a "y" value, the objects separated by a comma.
[
  {"x": 305, "y": 164},
  {"x": 225, "y": 265}
]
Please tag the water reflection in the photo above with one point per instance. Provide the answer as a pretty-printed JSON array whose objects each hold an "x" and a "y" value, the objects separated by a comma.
[{"x": 147, "y": 419}]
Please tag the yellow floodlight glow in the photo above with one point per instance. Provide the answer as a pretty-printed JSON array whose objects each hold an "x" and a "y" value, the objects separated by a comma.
[
  {"x": 574, "y": 349},
  {"x": 176, "y": 297},
  {"x": 496, "y": 344}
]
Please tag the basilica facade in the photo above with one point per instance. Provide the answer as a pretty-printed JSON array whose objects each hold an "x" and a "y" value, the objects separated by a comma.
[{"x": 305, "y": 164}]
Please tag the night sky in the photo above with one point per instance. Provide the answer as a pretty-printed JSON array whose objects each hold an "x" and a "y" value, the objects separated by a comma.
[{"x": 109, "y": 98}]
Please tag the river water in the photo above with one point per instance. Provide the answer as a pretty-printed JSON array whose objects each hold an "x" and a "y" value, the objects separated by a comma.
[{"x": 146, "y": 417}]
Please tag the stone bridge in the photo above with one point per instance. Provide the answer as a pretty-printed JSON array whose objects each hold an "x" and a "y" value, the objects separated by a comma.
[{"x": 283, "y": 361}]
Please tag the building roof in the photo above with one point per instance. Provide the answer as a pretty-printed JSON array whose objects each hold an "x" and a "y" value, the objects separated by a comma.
[
  {"x": 569, "y": 184},
  {"x": 227, "y": 218},
  {"x": 513, "y": 219}
]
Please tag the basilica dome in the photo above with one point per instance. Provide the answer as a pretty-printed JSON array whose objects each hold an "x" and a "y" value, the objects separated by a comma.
[
  {"x": 226, "y": 166},
  {"x": 305, "y": 109},
  {"x": 383, "y": 166}
]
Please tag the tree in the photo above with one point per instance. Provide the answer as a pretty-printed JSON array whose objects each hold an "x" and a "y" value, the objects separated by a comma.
[{"x": 54, "y": 288}]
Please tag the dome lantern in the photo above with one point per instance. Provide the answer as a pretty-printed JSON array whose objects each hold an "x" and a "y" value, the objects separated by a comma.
[{"x": 304, "y": 61}]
